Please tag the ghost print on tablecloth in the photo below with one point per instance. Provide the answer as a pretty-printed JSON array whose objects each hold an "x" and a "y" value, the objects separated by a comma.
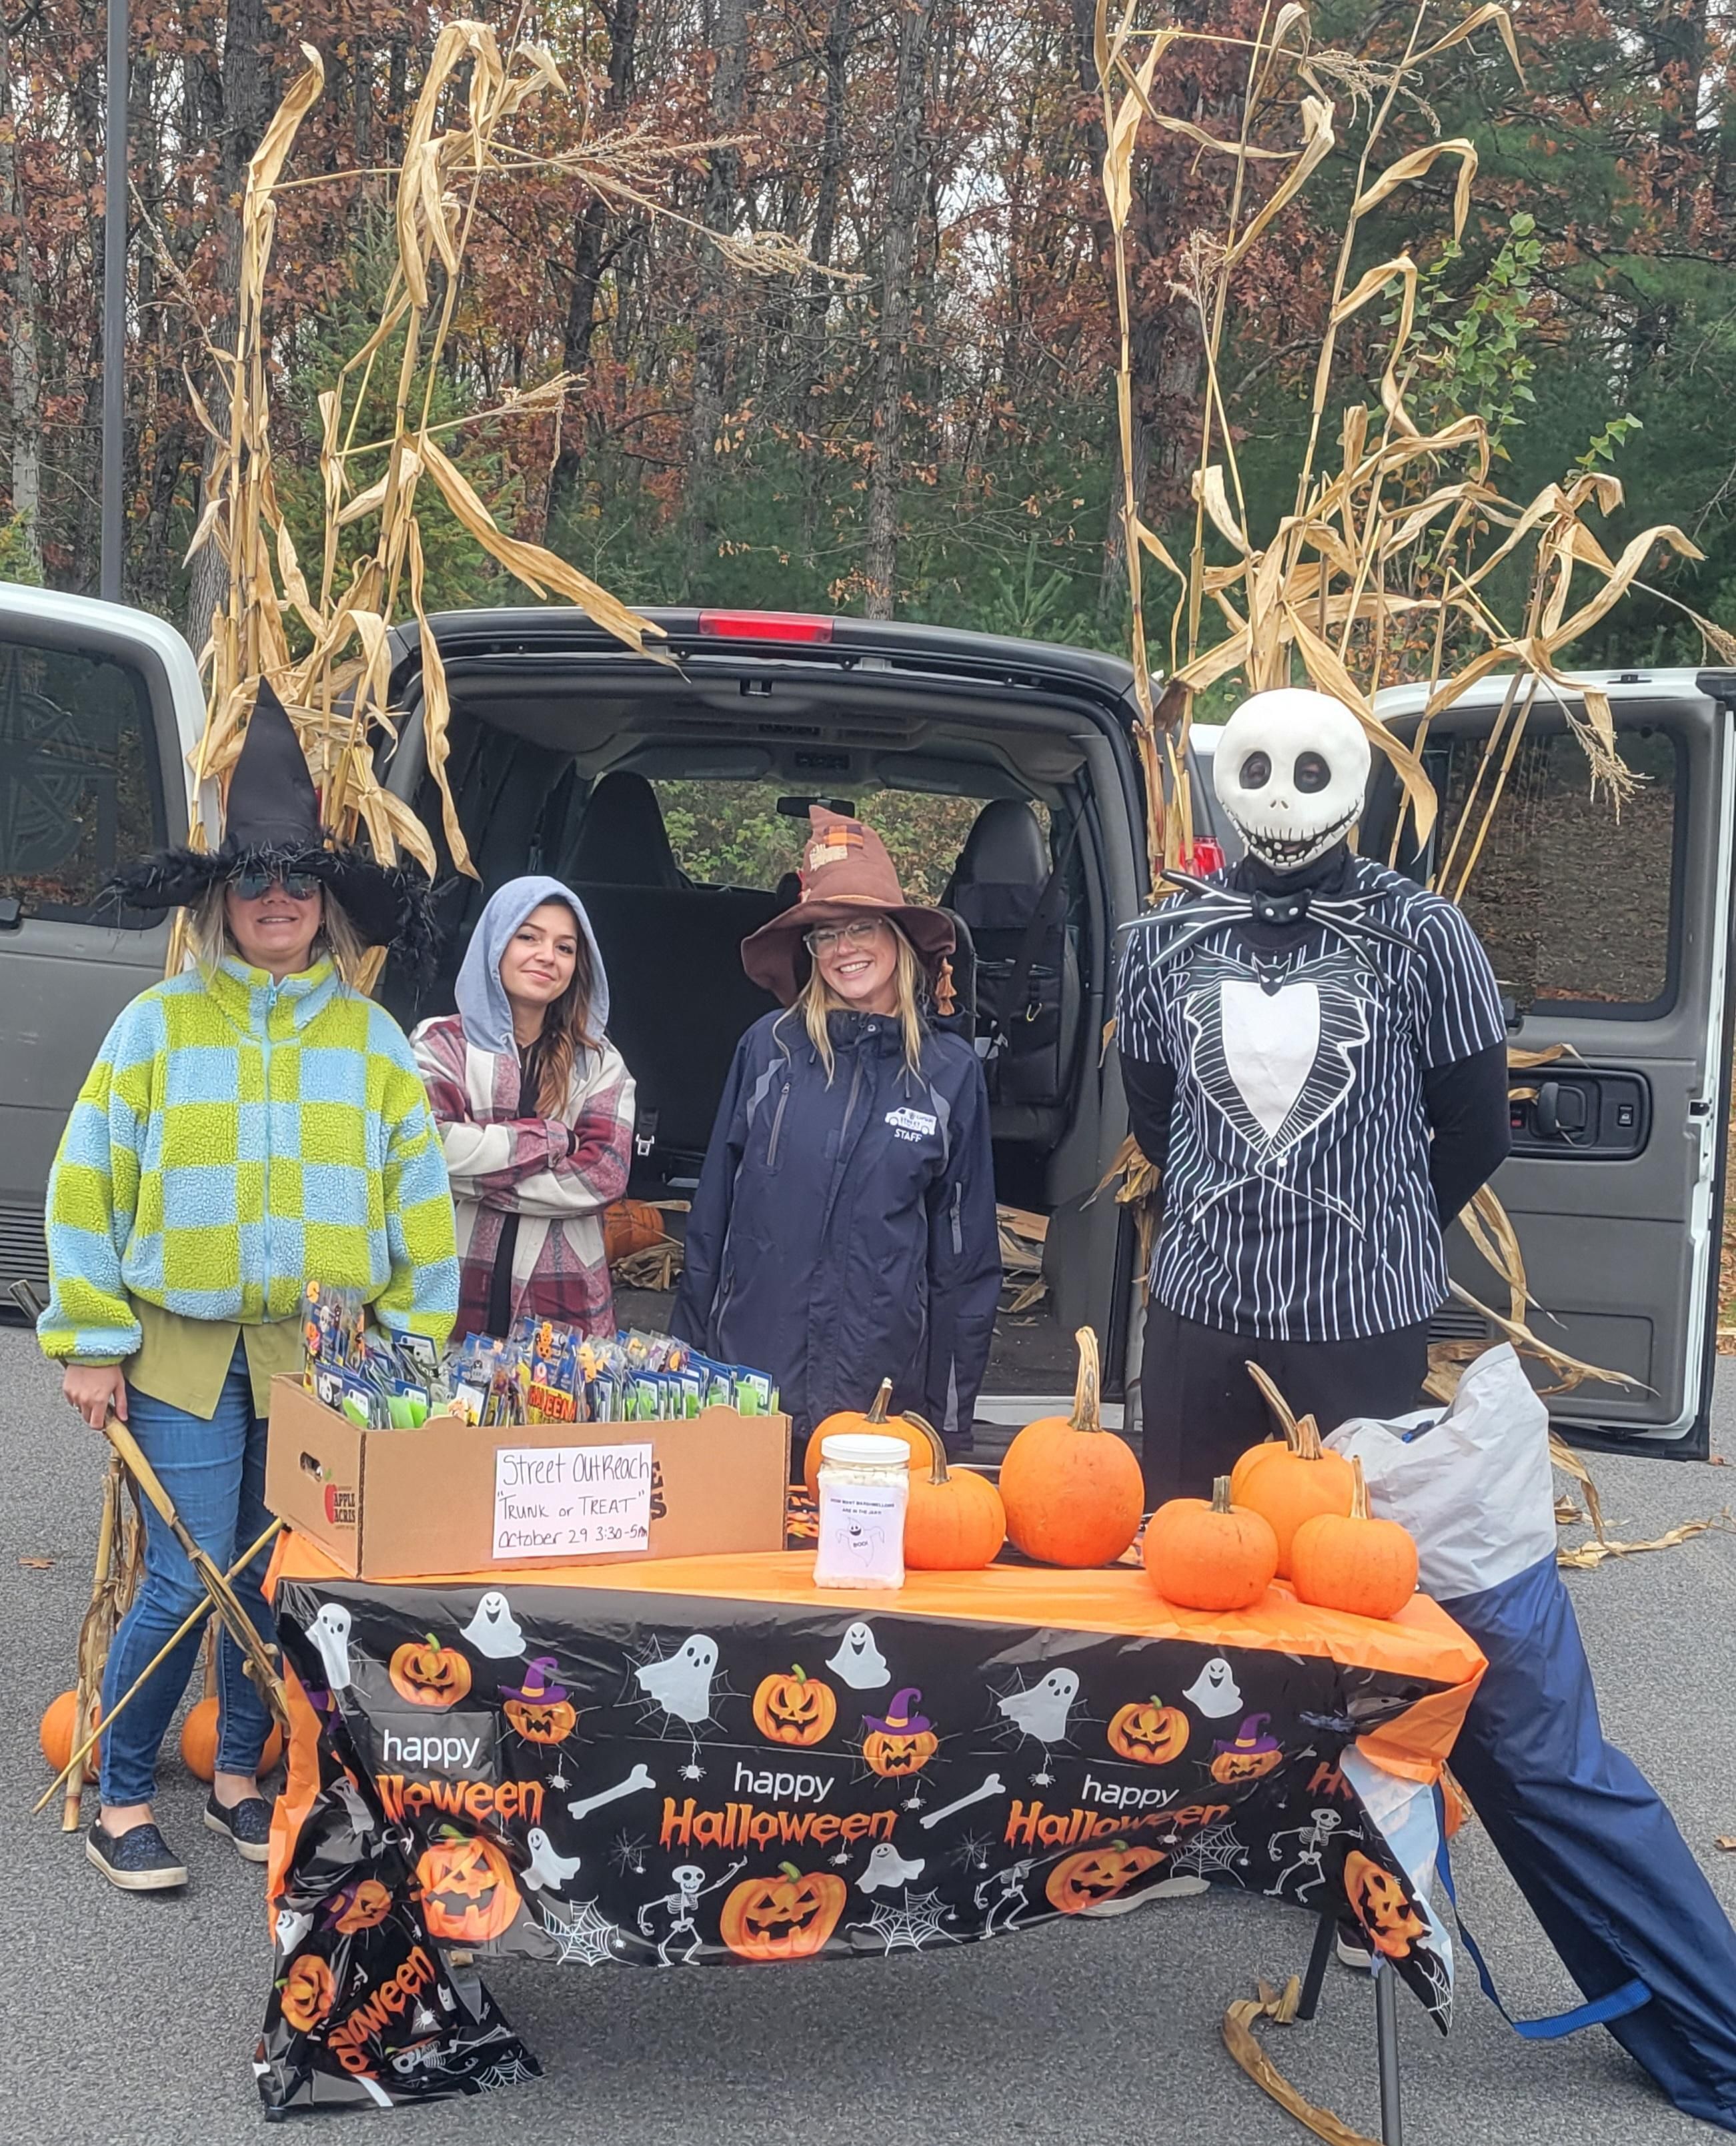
[{"x": 1040, "y": 1713}]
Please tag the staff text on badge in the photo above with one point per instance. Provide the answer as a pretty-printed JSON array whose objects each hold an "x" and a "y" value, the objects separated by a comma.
[{"x": 571, "y": 1500}]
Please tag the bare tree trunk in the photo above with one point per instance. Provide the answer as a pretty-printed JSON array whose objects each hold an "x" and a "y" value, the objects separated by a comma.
[
  {"x": 245, "y": 90},
  {"x": 710, "y": 350},
  {"x": 811, "y": 364},
  {"x": 912, "y": 147},
  {"x": 591, "y": 257},
  {"x": 21, "y": 335}
]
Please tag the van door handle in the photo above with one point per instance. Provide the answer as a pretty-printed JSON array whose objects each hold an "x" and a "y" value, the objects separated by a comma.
[
  {"x": 1549, "y": 1117},
  {"x": 12, "y": 912}
]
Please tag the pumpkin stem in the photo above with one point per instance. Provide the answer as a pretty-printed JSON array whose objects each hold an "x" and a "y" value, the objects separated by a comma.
[
  {"x": 1274, "y": 1401},
  {"x": 1220, "y": 1495},
  {"x": 1358, "y": 1492},
  {"x": 1087, "y": 1386},
  {"x": 798, "y": 1672},
  {"x": 936, "y": 1451},
  {"x": 882, "y": 1401},
  {"x": 789, "y": 1870},
  {"x": 1304, "y": 1439}
]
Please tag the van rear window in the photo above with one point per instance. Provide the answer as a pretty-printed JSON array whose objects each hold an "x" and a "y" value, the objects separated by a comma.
[
  {"x": 80, "y": 788},
  {"x": 1575, "y": 906},
  {"x": 732, "y": 834}
]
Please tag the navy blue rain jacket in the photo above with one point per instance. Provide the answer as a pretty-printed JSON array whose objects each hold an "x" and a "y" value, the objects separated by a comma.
[{"x": 846, "y": 1232}]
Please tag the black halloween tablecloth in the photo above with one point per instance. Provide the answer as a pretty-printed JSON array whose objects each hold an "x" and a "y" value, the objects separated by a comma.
[{"x": 709, "y": 1762}]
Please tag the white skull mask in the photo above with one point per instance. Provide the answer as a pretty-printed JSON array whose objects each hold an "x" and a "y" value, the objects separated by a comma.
[{"x": 1290, "y": 770}]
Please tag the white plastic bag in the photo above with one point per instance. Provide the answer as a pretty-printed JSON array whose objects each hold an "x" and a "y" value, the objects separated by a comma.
[{"x": 1471, "y": 1482}]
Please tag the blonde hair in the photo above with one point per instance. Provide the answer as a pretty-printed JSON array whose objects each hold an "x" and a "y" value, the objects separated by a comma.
[
  {"x": 336, "y": 940},
  {"x": 816, "y": 1000}
]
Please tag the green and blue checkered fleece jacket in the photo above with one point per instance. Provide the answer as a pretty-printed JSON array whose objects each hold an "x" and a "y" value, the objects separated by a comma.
[{"x": 234, "y": 1137}]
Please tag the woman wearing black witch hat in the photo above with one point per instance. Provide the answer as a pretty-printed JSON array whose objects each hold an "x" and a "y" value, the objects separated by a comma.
[{"x": 250, "y": 1123}]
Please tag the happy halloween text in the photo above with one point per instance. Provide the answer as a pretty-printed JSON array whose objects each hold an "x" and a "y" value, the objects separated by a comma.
[
  {"x": 1028, "y": 1825},
  {"x": 740, "y": 1825},
  {"x": 349, "y": 2038},
  {"x": 404, "y": 1796}
]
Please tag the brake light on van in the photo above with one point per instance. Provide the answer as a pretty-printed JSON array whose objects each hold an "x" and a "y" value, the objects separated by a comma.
[
  {"x": 765, "y": 625},
  {"x": 1207, "y": 856}
]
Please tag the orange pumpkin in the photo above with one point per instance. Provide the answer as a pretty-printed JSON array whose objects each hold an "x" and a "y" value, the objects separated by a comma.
[
  {"x": 854, "y": 1422},
  {"x": 1097, "y": 1874},
  {"x": 1148, "y": 1732},
  {"x": 308, "y": 1992},
  {"x": 468, "y": 1890},
  {"x": 1073, "y": 1491},
  {"x": 1290, "y": 1482},
  {"x": 539, "y": 1709},
  {"x": 1377, "y": 1899},
  {"x": 787, "y": 1917},
  {"x": 429, "y": 1674},
  {"x": 796, "y": 1708},
  {"x": 1249, "y": 1755},
  {"x": 199, "y": 1742},
  {"x": 55, "y": 1734},
  {"x": 1210, "y": 1554},
  {"x": 955, "y": 1522},
  {"x": 1349, "y": 1561},
  {"x": 902, "y": 1741},
  {"x": 630, "y": 1226}
]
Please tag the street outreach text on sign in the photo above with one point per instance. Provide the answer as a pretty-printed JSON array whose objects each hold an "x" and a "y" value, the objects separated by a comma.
[{"x": 571, "y": 1500}]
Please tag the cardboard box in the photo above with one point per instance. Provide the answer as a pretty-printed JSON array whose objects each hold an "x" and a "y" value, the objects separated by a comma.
[{"x": 403, "y": 1505}]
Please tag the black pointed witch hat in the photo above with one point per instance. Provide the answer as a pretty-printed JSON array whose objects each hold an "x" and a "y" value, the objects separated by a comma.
[{"x": 271, "y": 823}]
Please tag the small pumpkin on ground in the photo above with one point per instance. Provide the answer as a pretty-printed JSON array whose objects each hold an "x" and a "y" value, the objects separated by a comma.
[
  {"x": 427, "y": 1673},
  {"x": 199, "y": 1742},
  {"x": 956, "y": 1521},
  {"x": 1072, "y": 1490},
  {"x": 1350, "y": 1561},
  {"x": 55, "y": 1733},
  {"x": 1207, "y": 1553},
  {"x": 788, "y": 1916},
  {"x": 1097, "y": 1874},
  {"x": 854, "y": 1422},
  {"x": 796, "y": 1708},
  {"x": 1148, "y": 1732},
  {"x": 1290, "y": 1482}
]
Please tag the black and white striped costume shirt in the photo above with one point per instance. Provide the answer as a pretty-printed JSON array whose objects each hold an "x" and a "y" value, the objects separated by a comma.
[{"x": 1296, "y": 1196}]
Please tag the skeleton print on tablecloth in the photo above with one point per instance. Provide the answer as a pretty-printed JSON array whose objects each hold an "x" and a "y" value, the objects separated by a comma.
[
  {"x": 682, "y": 1906},
  {"x": 1312, "y": 1842}
]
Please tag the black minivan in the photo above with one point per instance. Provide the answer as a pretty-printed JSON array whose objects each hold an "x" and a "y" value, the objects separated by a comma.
[{"x": 1611, "y": 936}]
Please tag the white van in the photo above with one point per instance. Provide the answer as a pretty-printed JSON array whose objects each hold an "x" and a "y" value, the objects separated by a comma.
[{"x": 1609, "y": 936}]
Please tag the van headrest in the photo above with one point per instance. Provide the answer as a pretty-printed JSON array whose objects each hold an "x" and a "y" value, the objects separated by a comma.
[
  {"x": 622, "y": 840},
  {"x": 1005, "y": 848}
]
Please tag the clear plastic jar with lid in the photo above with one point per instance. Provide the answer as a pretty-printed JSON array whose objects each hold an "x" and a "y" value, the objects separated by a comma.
[{"x": 864, "y": 1486}]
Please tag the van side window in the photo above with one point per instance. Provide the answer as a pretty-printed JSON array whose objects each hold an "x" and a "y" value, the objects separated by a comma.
[
  {"x": 80, "y": 790},
  {"x": 1576, "y": 906}
]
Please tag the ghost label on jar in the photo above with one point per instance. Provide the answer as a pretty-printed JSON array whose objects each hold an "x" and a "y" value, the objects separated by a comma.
[{"x": 865, "y": 1488}]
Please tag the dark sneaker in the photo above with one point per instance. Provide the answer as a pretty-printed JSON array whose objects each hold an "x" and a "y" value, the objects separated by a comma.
[
  {"x": 248, "y": 1824},
  {"x": 1353, "y": 1951},
  {"x": 139, "y": 1860}
]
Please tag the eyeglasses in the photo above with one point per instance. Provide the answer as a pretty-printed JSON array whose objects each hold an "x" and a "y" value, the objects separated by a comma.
[
  {"x": 828, "y": 938},
  {"x": 253, "y": 886}
]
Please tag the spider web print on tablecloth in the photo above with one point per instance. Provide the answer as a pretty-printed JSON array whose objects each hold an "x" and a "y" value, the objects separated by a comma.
[
  {"x": 589, "y": 1939},
  {"x": 509, "y": 2072},
  {"x": 911, "y": 1923},
  {"x": 1213, "y": 1848}
]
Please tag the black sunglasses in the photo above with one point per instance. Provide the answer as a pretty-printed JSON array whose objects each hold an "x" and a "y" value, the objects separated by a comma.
[{"x": 253, "y": 884}]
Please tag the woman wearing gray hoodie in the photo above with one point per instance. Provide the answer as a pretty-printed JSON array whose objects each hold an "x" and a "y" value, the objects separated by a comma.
[{"x": 534, "y": 1108}]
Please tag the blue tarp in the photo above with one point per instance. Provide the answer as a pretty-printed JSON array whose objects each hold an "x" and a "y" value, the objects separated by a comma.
[{"x": 1591, "y": 1846}]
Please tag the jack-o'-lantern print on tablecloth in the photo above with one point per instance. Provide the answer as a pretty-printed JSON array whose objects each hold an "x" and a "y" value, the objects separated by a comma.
[{"x": 653, "y": 1779}]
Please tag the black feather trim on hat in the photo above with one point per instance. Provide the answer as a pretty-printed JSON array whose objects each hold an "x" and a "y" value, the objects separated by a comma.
[{"x": 389, "y": 904}]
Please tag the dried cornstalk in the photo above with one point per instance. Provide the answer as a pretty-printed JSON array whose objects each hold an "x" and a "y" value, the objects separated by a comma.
[
  {"x": 325, "y": 643},
  {"x": 1239, "y": 2039}
]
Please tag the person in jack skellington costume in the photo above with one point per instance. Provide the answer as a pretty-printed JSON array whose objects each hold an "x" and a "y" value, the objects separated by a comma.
[{"x": 1314, "y": 1058}]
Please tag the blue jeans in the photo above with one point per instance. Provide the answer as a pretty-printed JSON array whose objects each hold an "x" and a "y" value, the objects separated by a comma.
[{"x": 214, "y": 1474}]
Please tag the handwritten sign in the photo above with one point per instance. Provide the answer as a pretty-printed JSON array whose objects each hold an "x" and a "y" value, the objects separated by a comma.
[{"x": 571, "y": 1500}]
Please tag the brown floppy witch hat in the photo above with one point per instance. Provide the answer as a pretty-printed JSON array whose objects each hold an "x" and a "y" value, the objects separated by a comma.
[{"x": 845, "y": 871}]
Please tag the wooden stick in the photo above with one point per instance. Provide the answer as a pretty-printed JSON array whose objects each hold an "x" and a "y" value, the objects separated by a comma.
[
  {"x": 87, "y": 1695},
  {"x": 151, "y": 1666}
]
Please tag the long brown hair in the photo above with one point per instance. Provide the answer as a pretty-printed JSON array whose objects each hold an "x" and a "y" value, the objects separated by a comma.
[{"x": 565, "y": 1033}]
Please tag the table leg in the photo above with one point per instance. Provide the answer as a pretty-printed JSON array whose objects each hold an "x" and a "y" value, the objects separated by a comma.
[
  {"x": 1386, "y": 2039},
  {"x": 1325, "y": 1935}
]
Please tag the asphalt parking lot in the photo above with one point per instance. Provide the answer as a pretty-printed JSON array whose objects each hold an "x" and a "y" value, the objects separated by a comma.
[{"x": 133, "y": 2019}]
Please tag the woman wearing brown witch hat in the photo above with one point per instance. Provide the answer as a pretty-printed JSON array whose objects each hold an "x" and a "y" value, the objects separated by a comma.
[{"x": 844, "y": 1230}]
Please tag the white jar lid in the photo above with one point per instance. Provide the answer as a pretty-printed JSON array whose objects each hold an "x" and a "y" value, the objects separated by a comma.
[{"x": 862, "y": 1449}]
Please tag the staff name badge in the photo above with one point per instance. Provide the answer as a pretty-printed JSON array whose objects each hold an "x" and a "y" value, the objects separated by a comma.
[
  {"x": 571, "y": 1500},
  {"x": 911, "y": 1124}
]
